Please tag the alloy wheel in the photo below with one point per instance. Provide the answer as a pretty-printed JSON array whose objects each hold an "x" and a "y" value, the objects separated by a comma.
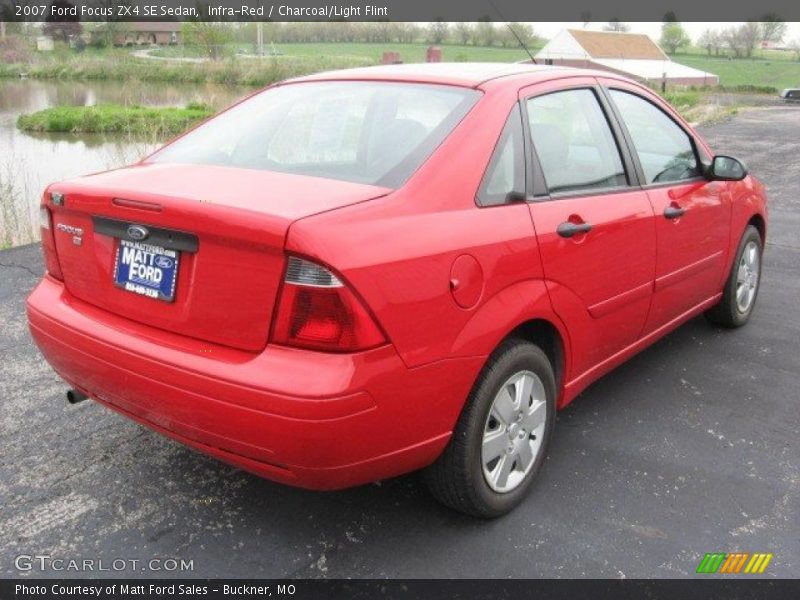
[
  {"x": 514, "y": 431},
  {"x": 747, "y": 277}
]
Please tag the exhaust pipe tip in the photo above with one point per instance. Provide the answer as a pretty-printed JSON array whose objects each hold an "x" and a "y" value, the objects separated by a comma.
[{"x": 74, "y": 396}]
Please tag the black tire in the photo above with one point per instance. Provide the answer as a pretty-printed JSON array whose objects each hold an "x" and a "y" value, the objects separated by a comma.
[
  {"x": 727, "y": 313},
  {"x": 456, "y": 479}
]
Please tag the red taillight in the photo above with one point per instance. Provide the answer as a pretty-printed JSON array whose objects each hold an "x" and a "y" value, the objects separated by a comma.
[
  {"x": 317, "y": 311},
  {"x": 49, "y": 243}
]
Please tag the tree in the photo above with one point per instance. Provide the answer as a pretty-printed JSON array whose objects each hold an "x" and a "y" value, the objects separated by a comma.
[
  {"x": 406, "y": 33},
  {"x": 485, "y": 33},
  {"x": 673, "y": 36},
  {"x": 772, "y": 28},
  {"x": 794, "y": 46},
  {"x": 743, "y": 40},
  {"x": 515, "y": 35},
  {"x": 210, "y": 37},
  {"x": 5, "y": 14},
  {"x": 62, "y": 30},
  {"x": 438, "y": 32},
  {"x": 524, "y": 32},
  {"x": 105, "y": 33},
  {"x": 733, "y": 41},
  {"x": 616, "y": 25},
  {"x": 506, "y": 38},
  {"x": 750, "y": 34},
  {"x": 463, "y": 33},
  {"x": 384, "y": 31},
  {"x": 717, "y": 42},
  {"x": 706, "y": 40}
]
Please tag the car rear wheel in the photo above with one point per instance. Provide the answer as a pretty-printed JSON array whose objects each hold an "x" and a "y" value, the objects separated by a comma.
[
  {"x": 501, "y": 437},
  {"x": 741, "y": 288}
]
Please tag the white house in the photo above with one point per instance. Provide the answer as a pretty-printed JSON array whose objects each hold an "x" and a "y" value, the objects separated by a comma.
[{"x": 634, "y": 55}]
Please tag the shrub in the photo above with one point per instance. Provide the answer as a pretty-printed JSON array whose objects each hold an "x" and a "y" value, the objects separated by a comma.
[
  {"x": 14, "y": 50},
  {"x": 136, "y": 120}
]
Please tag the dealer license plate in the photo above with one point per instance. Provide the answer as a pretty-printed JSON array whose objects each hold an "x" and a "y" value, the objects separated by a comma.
[{"x": 146, "y": 270}]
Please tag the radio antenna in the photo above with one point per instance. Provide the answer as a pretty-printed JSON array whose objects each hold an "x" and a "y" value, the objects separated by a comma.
[{"x": 514, "y": 33}]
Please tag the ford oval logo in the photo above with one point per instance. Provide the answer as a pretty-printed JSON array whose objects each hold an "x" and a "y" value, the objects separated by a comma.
[
  {"x": 137, "y": 232},
  {"x": 162, "y": 262}
]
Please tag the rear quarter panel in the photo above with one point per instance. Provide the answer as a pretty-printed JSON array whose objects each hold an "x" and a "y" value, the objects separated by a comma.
[{"x": 397, "y": 252}]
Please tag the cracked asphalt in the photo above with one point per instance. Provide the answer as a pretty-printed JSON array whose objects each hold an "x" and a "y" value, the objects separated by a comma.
[{"x": 691, "y": 447}]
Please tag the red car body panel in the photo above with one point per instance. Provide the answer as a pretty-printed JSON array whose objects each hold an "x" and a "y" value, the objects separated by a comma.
[
  {"x": 189, "y": 197},
  {"x": 445, "y": 280},
  {"x": 354, "y": 413}
]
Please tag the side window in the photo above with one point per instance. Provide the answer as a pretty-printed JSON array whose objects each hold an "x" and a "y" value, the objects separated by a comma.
[
  {"x": 574, "y": 142},
  {"x": 665, "y": 150},
  {"x": 506, "y": 171}
]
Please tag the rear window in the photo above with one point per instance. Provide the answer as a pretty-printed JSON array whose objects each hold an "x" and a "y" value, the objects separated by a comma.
[{"x": 376, "y": 133}]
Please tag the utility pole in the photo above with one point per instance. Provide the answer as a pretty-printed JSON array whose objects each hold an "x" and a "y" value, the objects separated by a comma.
[{"x": 260, "y": 36}]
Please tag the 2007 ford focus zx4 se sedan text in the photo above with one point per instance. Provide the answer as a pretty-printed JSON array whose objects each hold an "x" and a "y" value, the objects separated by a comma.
[{"x": 358, "y": 274}]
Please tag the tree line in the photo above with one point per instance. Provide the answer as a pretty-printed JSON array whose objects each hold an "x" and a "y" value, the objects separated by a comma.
[
  {"x": 741, "y": 41},
  {"x": 484, "y": 33},
  {"x": 737, "y": 41}
]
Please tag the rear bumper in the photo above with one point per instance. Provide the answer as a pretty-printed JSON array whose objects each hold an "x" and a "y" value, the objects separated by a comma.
[{"x": 314, "y": 420}]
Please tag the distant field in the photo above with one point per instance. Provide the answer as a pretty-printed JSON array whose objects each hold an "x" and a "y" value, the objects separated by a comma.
[
  {"x": 777, "y": 70},
  {"x": 769, "y": 69},
  {"x": 408, "y": 52},
  {"x": 373, "y": 52},
  {"x": 777, "y": 73}
]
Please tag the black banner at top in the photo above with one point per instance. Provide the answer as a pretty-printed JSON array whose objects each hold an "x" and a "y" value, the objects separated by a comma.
[{"x": 396, "y": 10}]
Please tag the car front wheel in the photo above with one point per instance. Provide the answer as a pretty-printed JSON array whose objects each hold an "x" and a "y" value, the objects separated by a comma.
[
  {"x": 501, "y": 437},
  {"x": 741, "y": 288}
]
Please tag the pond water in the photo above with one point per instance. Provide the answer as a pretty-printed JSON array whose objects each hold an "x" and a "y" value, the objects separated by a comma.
[{"x": 30, "y": 161}]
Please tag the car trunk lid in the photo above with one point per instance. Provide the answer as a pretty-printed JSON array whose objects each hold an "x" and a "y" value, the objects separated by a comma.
[{"x": 224, "y": 227}]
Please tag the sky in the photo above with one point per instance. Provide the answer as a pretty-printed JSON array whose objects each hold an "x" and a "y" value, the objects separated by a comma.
[{"x": 548, "y": 30}]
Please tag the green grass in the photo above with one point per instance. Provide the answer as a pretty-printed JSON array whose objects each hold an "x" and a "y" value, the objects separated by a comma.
[
  {"x": 408, "y": 52},
  {"x": 767, "y": 72},
  {"x": 120, "y": 65},
  {"x": 758, "y": 54},
  {"x": 770, "y": 75},
  {"x": 363, "y": 52},
  {"x": 295, "y": 60},
  {"x": 683, "y": 100},
  {"x": 135, "y": 120}
]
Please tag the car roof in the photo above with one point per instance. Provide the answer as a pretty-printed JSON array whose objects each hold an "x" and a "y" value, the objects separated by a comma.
[{"x": 461, "y": 74}]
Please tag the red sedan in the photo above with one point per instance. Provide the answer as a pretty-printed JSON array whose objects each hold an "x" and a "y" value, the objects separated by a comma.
[{"x": 357, "y": 274}]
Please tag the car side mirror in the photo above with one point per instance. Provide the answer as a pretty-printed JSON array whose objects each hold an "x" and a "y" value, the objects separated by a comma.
[{"x": 726, "y": 168}]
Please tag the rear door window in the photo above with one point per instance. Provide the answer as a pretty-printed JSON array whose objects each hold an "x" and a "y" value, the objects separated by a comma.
[{"x": 574, "y": 142}]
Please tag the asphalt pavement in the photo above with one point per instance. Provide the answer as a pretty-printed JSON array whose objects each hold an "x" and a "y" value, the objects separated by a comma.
[{"x": 691, "y": 447}]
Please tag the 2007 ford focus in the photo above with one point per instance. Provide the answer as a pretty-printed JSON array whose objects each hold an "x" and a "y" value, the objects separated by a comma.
[{"x": 358, "y": 274}]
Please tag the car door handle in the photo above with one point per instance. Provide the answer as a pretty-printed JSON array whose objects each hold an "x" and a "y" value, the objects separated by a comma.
[
  {"x": 673, "y": 212},
  {"x": 567, "y": 229}
]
